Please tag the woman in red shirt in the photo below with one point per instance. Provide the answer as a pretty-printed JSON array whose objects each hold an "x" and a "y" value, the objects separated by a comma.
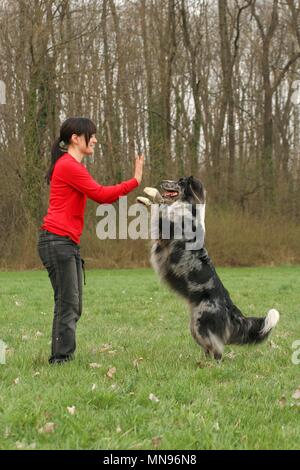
[{"x": 58, "y": 245}]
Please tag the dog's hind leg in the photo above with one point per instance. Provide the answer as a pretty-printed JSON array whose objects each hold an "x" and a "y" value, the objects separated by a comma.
[{"x": 210, "y": 342}]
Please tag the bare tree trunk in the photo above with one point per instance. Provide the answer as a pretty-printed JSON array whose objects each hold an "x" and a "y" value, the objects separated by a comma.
[
  {"x": 193, "y": 51},
  {"x": 155, "y": 97},
  {"x": 267, "y": 154}
]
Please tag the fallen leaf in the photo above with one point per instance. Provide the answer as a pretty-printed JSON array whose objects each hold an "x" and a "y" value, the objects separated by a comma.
[
  {"x": 105, "y": 347},
  {"x": 273, "y": 345},
  {"x": 94, "y": 387},
  {"x": 156, "y": 441},
  {"x": 24, "y": 445},
  {"x": 25, "y": 338},
  {"x": 137, "y": 361},
  {"x": 16, "y": 381},
  {"x": 36, "y": 374},
  {"x": 95, "y": 365},
  {"x": 216, "y": 426},
  {"x": 9, "y": 351},
  {"x": 39, "y": 334},
  {"x": 153, "y": 398},
  {"x": 206, "y": 364},
  {"x": 110, "y": 373},
  {"x": 47, "y": 429},
  {"x": 71, "y": 409},
  {"x": 20, "y": 445},
  {"x": 18, "y": 304},
  {"x": 282, "y": 402},
  {"x": 295, "y": 404},
  {"x": 118, "y": 430},
  {"x": 230, "y": 355},
  {"x": 296, "y": 394}
]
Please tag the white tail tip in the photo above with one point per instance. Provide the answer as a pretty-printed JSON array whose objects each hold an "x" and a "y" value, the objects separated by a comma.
[{"x": 270, "y": 321}]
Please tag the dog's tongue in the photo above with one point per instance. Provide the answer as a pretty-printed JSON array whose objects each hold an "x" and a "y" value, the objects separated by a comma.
[{"x": 169, "y": 193}]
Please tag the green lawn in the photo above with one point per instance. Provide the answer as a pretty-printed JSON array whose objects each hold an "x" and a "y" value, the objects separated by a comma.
[{"x": 245, "y": 402}]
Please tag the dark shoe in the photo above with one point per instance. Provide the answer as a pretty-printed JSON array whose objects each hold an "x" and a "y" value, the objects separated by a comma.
[{"x": 60, "y": 360}]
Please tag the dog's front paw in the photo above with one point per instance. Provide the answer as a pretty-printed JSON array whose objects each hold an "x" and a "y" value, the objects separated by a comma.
[
  {"x": 154, "y": 194},
  {"x": 143, "y": 200}
]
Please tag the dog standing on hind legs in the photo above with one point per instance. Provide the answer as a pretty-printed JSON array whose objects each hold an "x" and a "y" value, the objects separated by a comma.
[{"x": 187, "y": 269}]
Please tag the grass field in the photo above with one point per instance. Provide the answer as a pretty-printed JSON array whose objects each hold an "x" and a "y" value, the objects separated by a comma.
[{"x": 135, "y": 325}]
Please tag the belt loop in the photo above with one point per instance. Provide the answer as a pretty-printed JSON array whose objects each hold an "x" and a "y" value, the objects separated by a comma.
[{"x": 83, "y": 269}]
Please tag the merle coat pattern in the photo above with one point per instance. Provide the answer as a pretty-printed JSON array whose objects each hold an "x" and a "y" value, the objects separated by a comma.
[{"x": 215, "y": 320}]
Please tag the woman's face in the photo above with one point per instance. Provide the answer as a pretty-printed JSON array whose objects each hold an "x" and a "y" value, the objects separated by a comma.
[{"x": 79, "y": 142}]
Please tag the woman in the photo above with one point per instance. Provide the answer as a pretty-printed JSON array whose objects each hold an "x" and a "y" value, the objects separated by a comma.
[{"x": 58, "y": 246}]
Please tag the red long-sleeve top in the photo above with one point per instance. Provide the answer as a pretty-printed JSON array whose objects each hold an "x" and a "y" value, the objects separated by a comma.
[{"x": 70, "y": 186}]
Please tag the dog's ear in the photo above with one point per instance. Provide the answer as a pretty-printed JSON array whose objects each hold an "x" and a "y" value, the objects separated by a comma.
[{"x": 196, "y": 190}]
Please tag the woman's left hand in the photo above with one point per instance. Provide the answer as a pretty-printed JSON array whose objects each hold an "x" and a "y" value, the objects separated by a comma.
[{"x": 139, "y": 163}]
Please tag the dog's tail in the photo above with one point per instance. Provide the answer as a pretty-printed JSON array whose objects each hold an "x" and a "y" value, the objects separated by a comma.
[{"x": 249, "y": 330}]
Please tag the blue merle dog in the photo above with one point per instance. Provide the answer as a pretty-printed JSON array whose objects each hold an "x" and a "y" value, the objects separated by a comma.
[{"x": 187, "y": 268}]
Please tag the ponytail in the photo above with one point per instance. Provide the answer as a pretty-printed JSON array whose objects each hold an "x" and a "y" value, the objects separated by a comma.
[{"x": 58, "y": 149}]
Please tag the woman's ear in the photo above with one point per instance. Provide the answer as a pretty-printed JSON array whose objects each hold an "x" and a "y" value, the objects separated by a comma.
[{"x": 74, "y": 139}]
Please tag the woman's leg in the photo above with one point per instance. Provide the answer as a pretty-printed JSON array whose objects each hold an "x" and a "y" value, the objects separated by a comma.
[
  {"x": 61, "y": 258},
  {"x": 79, "y": 268}
]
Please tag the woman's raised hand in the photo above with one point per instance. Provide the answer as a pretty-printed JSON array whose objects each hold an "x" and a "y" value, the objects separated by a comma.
[{"x": 139, "y": 163}]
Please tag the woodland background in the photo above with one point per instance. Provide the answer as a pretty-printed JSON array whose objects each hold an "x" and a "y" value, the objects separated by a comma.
[{"x": 202, "y": 87}]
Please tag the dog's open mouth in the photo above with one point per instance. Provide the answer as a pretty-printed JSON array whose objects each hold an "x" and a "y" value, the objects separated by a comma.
[{"x": 170, "y": 194}]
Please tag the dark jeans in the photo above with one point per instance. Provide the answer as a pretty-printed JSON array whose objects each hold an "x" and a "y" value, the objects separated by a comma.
[{"x": 61, "y": 257}]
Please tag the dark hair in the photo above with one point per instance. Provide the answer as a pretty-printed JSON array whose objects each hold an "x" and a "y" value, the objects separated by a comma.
[{"x": 73, "y": 125}]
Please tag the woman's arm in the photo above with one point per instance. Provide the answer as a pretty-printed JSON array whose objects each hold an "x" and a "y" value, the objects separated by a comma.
[{"x": 77, "y": 176}]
